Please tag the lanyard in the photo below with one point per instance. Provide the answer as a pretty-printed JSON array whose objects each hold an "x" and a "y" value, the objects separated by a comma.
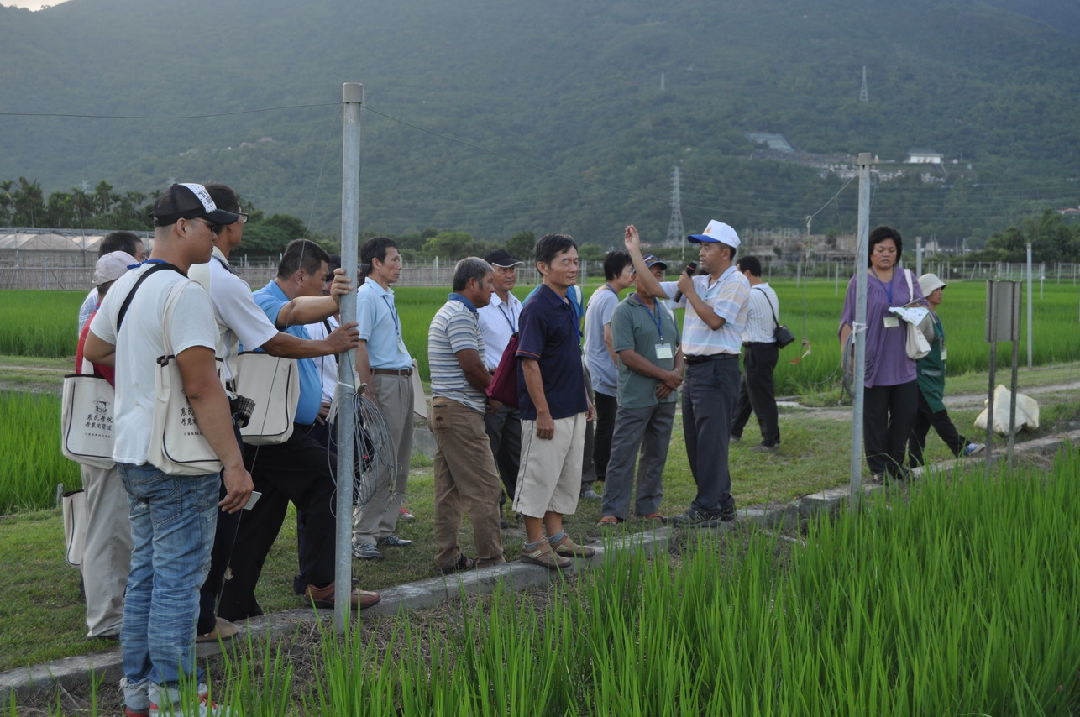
[
  {"x": 510, "y": 318},
  {"x": 655, "y": 314},
  {"x": 393, "y": 314},
  {"x": 888, "y": 287}
]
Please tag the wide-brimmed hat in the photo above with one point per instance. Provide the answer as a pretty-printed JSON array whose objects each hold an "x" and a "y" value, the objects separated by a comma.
[{"x": 929, "y": 282}]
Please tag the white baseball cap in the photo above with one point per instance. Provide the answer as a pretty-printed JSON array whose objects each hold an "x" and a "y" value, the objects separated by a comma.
[{"x": 717, "y": 233}]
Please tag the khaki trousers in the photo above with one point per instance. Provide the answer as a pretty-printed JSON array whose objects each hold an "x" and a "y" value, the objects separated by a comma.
[
  {"x": 394, "y": 397},
  {"x": 107, "y": 552},
  {"x": 465, "y": 482}
]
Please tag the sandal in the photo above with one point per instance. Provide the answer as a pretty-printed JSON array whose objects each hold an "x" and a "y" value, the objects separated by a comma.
[
  {"x": 608, "y": 521},
  {"x": 567, "y": 548},
  {"x": 653, "y": 516},
  {"x": 462, "y": 563},
  {"x": 545, "y": 558}
]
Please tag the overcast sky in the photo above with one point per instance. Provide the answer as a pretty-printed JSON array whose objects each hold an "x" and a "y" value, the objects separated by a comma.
[{"x": 32, "y": 4}]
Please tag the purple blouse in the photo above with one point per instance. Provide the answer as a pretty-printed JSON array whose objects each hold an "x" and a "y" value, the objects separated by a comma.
[{"x": 887, "y": 363}]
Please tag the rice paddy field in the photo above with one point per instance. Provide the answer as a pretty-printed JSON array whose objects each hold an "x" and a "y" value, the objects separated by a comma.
[
  {"x": 38, "y": 323},
  {"x": 30, "y": 460},
  {"x": 955, "y": 596}
]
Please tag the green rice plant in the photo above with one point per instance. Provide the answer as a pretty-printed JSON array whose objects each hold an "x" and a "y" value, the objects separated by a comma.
[
  {"x": 32, "y": 464},
  {"x": 39, "y": 323},
  {"x": 955, "y": 597}
]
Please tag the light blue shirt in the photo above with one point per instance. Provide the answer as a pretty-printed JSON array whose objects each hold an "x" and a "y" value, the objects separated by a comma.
[
  {"x": 602, "y": 369},
  {"x": 380, "y": 327},
  {"x": 270, "y": 299},
  {"x": 729, "y": 298}
]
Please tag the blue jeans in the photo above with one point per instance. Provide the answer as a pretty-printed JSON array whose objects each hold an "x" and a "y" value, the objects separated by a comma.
[{"x": 173, "y": 519}]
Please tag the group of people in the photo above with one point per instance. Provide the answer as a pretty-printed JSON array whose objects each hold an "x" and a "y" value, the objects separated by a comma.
[{"x": 172, "y": 559}]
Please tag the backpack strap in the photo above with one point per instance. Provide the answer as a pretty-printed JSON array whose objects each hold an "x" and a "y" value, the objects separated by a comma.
[{"x": 158, "y": 266}]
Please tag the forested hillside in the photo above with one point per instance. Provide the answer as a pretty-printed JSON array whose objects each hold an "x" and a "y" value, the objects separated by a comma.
[{"x": 497, "y": 116}]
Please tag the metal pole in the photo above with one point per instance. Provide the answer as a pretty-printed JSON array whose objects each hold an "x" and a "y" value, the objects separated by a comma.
[
  {"x": 1029, "y": 327},
  {"x": 918, "y": 257},
  {"x": 990, "y": 375},
  {"x": 862, "y": 252},
  {"x": 352, "y": 99}
]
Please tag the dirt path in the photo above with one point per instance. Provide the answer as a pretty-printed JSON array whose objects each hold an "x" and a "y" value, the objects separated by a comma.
[{"x": 959, "y": 401}]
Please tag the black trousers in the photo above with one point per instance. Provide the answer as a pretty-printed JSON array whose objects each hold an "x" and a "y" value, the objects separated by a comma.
[
  {"x": 503, "y": 429},
  {"x": 606, "y": 408},
  {"x": 301, "y": 470},
  {"x": 888, "y": 417},
  {"x": 756, "y": 394},
  {"x": 926, "y": 417},
  {"x": 224, "y": 536}
]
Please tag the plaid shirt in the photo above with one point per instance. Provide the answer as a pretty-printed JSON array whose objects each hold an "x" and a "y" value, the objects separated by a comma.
[{"x": 729, "y": 298}]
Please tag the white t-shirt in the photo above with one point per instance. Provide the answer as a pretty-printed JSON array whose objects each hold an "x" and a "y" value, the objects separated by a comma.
[
  {"x": 141, "y": 343},
  {"x": 239, "y": 319}
]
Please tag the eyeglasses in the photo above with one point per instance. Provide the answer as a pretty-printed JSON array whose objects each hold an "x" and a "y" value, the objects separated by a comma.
[
  {"x": 243, "y": 217},
  {"x": 214, "y": 228}
]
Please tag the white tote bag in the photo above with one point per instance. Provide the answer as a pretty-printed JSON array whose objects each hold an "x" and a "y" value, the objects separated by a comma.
[
  {"x": 177, "y": 446},
  {"x": 273, "y": 384},
  {"x": 86, "y": 420},
  {"x": 73, "y": 506}
]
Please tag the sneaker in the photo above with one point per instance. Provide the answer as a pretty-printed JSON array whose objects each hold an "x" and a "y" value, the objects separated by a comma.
[
  {"x": 172, "y": 705},
  {"x": 393, "y": 541},
  {"x": 567, "y": 548},
  {"x": 404, "y": 514},
  {"x": 366, "y": 551},
  {"x": 694, "y": 518},
  {"x": 324, "y": 597},
  {"x": 589, "y": 494},
  {"x": 545, "y": 558},
  {"x": 973, "y": 449},
  {"x": 223, "y": 630},
  {"x": 762, "y": 448},
  {"x": 463, "y": 563}
]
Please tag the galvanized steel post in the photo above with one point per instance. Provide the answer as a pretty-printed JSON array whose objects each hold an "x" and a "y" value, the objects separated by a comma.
[
  {"x": 858, "y": 329},
  {"x": 352, "y": 99}
]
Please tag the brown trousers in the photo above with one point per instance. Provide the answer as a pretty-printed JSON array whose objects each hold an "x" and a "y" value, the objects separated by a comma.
[{"x": 465, "y": 482}]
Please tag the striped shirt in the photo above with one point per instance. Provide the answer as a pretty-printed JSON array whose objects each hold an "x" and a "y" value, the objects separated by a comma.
[
  {"x": 728, "y": 297},
  {"x": 455, "y": 327},
  {"x": 759, "y": 324}
]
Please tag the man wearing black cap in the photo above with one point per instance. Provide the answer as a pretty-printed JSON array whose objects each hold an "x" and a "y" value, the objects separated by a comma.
[
  {"x": 172, "y": 517},
  {"x": 498, "y": 321}
]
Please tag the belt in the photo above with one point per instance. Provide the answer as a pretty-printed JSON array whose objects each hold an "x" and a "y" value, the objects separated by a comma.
[
  {"x": 393, "y": 371},
  {"x": 692, "y": 360},
  {"x": 759, "y": 343}
]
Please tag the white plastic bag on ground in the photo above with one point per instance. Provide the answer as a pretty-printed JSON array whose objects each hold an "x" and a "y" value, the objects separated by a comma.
[{"x": 1027, "y": 412}]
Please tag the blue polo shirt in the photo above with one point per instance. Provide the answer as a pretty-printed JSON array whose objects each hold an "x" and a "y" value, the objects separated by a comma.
[
  {"x": 270, "y": 299},
  {"x": 380, "y": 327},
  {"x": 548, "y": 332}
]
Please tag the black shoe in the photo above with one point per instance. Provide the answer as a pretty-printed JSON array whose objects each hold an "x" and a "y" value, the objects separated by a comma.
[
  {"x": 694, "y": 518},
  {"x": 463, "y": 563},
  {"x": 393, "y": 541}
]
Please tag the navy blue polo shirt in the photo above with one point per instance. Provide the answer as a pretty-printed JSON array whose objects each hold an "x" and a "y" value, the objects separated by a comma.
[{"x": 548, "y": 332}]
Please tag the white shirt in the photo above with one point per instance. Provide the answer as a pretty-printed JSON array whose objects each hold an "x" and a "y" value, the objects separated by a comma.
[
  {"x": 239, "y": 319},
  {"x": 328, "y": 366},
  {"x": 141, "y": 343},
  {"x": 759, "y": 322},
  {"x": 498, "y": 321}
]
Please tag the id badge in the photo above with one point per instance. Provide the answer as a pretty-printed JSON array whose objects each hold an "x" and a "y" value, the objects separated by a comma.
[
  {"x": 944, "y": 353},
  {"x": 891, "y": 322},
  {"x": 663, "y": 351}
]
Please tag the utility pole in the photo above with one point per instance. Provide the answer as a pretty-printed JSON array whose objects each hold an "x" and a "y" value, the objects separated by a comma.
[
  {"x": 918, "y": 256},
  {"x": 864, "y": 92},
  {"x": 675, "y": 231},
  {"x": 663, "y": 83},
  {"x": 858, "y": 329},
  {"x": 352, "y": 100},
  {"x": 1029, "y": 327}
]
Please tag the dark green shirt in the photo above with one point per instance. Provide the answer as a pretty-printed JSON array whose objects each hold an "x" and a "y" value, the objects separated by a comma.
[
  {"x": 636, "y": 327},
  {"x": 931, "y": 369}
]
